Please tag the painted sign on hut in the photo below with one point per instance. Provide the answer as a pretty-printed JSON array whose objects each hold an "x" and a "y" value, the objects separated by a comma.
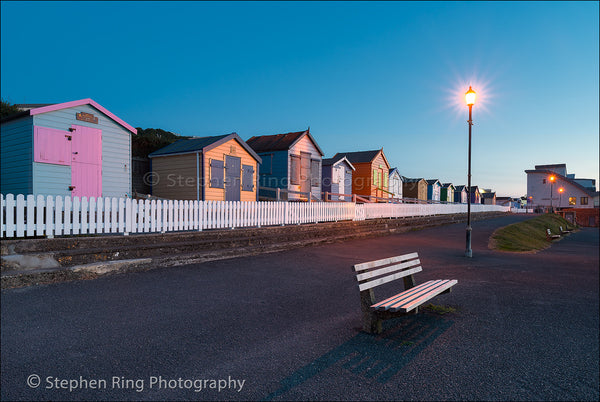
[
  {"x": 218, "y": 168},
  {"x": 76, "y": 148},
  {"x": 337, "y": 179},
  {"x": 290, "y": 162},
  {"x": 372, "y": 172}
]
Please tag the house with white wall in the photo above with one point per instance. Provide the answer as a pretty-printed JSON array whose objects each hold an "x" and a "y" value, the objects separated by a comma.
[{"x": 550, "y": 185}]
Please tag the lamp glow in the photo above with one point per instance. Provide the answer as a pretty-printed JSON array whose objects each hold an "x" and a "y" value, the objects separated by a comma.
[{"x": 470, "y": 97}]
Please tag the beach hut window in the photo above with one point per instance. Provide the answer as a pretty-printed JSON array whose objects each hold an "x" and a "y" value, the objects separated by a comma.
[
  {"x": 294, "y": 169},
  {"x": 315, "y": 168},
  {"x": 247, "y": 178},
  {"x": 217, "y": 173}
]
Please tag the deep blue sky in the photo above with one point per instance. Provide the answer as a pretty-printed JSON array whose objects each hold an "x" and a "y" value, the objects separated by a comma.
[{"x": 361, "y": 75}]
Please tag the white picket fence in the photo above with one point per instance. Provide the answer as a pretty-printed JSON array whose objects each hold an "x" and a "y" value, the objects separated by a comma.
[{"x": 57, "y": 215}]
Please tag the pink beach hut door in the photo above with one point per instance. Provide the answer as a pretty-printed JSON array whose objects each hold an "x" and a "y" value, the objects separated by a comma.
[{"x": 86, "y": 161}]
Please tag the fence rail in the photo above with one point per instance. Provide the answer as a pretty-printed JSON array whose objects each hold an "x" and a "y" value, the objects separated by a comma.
[{"x": 57, "y": 215}]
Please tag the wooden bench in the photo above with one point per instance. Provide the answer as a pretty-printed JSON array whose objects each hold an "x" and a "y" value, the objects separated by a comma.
[
  {"x": 562, "y": 232},
  {"x": 374, "y": 273},
  {"x": 550, "y": 236}
]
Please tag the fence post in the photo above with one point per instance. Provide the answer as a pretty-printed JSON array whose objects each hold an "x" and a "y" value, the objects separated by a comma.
[{"x": 127, "y": 217}]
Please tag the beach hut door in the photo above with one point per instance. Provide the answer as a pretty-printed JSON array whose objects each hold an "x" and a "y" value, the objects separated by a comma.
[
  {"x": 305, "y": 173},
  {"x": 86, "y": 161},
  {"x": 233, "y": 168}
]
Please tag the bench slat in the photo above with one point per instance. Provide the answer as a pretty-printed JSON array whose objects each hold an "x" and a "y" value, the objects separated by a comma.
[
  {"x": 386, "y": 279},
  {"x": 383, "y": 305},
  {"x": 385, "y": 261},
  {"x": 408, "y": 305},
  {"x": 391, "y": 268}
]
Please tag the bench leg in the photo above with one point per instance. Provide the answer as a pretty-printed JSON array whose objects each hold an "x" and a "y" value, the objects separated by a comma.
[{"x": 371, "y": 323}]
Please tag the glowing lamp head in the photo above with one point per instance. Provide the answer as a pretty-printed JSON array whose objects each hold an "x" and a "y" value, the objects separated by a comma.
[
  {"x": 560, "y": 190},
  {"x": 552, "y": 178},
  {"x": 470, "y": 97}
]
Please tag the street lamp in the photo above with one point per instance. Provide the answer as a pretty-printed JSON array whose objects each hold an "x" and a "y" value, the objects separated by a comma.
[
  {"x": 560, "y": 191},
  {"x": 470, "y": 100},
  {"x": 552, "y": 180}
]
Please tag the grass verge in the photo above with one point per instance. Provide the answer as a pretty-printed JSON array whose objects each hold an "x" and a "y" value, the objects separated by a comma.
[
  {"x": 439, "y": 309},
  {"x": 529, "y": 235}
]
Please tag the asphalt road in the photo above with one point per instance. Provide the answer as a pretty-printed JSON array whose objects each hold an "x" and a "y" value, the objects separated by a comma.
[{"x": 286, "y": 326}]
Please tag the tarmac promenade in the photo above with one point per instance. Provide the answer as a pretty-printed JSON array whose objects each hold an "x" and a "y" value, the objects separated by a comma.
[{"x": 286, "y": 326}]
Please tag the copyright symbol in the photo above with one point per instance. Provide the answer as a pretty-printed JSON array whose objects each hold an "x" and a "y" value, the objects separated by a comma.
[
  {"x": 33, "y": 381},
  {"x": 151, "y": 178}
]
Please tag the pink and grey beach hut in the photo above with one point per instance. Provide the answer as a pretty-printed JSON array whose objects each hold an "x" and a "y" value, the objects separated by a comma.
[{"x": 76, "y": 148}]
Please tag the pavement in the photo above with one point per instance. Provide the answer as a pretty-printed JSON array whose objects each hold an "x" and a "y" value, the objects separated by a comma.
[{"x": 286, "y": 326}]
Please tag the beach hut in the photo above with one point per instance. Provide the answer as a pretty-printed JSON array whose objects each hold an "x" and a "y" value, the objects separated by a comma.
[
  {"x": 488, "y": 196},
  {"x": 337, "y": 178},
  {"x": 371, "y": 175},
  {"x": 415, "y": 188},
  {"x": 291, "y": 162},
  {"x": 433, "y": 189},
  {"x": 475, "y": 195},
  {"x": 460, "y": 194},
  {"x": 77, "y": 148},
  {"x": 447, "y": 192},
  {"x": 395, "y": 183},
  {"x": 217, "y": 168}
]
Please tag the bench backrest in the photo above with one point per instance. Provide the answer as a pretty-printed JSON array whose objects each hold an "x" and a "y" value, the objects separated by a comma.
[{"x": 375, "y": 273}]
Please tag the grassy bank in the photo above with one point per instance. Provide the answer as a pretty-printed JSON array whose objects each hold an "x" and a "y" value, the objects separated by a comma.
[{"x": 529, "y": 235}]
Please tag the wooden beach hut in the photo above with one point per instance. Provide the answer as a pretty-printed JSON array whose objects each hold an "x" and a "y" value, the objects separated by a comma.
[
  {"x": 371, "y": 175},
  {"x": 395, "y": 183},
  {"x": 460, "y": 194},
  {"x": 415, "y": 188},
  {"x": 77, "y": 148},
  {"x": 337, "y": 178},
  {"x": 291, "y": 162},
  {"x": 433, "y": 189},
  {"x": 219, "y": 168},
  {"x": 447, "y": 192}
]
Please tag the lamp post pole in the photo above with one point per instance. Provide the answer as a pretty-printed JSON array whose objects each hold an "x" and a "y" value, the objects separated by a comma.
[
  {"x": 552, "y": 179},
  {"x": 560, "y": 191},
  {"x": 470, "y": 98}
]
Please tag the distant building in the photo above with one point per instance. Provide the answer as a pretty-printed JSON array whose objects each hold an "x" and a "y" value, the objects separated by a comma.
[{"x": 576, "y": 192}]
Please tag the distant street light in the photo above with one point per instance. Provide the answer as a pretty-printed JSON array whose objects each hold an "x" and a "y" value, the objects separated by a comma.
[
  {"x": 470, "y": 100},
  {"x": 552, "y": 180}
]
